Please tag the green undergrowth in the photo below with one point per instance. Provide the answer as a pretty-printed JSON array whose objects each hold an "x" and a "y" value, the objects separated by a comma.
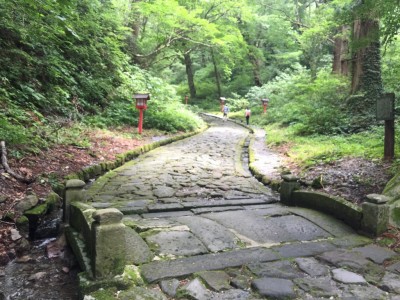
[
  {"x": 311, "y": 150},
  {"x": 48, "y": 134}
]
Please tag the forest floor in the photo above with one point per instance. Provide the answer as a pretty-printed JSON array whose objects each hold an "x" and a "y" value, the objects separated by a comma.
[{"x": 351, "y": 178}]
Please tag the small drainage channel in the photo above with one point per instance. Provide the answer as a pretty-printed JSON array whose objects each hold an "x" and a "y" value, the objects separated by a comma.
[{"x": 245, "y": 155}]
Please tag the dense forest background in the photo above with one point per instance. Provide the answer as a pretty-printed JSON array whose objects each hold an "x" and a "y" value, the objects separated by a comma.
[{"x": 68, "y": 64}]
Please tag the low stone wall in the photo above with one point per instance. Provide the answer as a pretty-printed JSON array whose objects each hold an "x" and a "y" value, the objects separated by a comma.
[
  {"x": 339, "y": 208},
  {"x": 372, "y": 218},
  {"x": 97, "y": 170},
  {"x": 97, "y": 237},
  {"x": 392, "y": 190}
]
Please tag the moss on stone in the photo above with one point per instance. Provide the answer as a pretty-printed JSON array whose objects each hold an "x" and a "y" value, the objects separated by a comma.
[
  {"x": 10, "y": 215},
  {"x": 52, "y": 200},
  {"x": 252, "y": 156},
  {"x": 79, "y": 249},
  {"x": 23, "y": 224},
  {"x": 275, "y": 185},
  {"x": 130, "y": 223},
  {"x": 392, "y": 188},
  {"x": 72, "y": 176},
  {"x": 374, "y": 273},
  {"x": 88, "y": 286},
  {"x": 39, "y": 210},
  {"x": 132, "y": 275},
  {"x": 104, "y": 294},
  {"x": 21, "y": 221},
  {"x": 395, "y": 214}
]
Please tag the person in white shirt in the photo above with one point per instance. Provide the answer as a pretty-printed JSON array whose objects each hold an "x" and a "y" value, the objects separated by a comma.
[
  {"x": 247, "y": 114},
  {"x": 226, "y": 110}
]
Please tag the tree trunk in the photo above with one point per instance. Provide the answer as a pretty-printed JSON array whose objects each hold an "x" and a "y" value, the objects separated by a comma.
[
  {"x": 256, "y": 70},
  {"x": 366, "y": 80},
  {"x": 135, "y": 36},
  {"x": 189, "y": 73},
  {"x": 216, "y": 73},
  {"x": 341, "y": 53},
  {"x": 366, "y": 64}
]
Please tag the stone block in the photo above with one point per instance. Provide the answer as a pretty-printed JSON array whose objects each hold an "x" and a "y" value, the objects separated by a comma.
[
  {"x": 375, "y": 218},
  {"x": 107, "y": 216},
  {"x": 290, "y": 183},
  {"x": 53, "y": 201},
  {"x": 78, "y": 247},
  {"x": 27, "y": 203},
  {"x": 377, "y": 199},
  {"x": 81, "y": 220},
  {"x": 108, "y": 243},
  {"x": 73, "y": 192}
]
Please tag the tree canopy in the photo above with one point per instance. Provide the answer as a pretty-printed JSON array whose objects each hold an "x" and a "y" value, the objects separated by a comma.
[{"x": 83, "y": 60}]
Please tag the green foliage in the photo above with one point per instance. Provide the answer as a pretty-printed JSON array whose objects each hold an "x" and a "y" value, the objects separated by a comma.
[
  {"x": 165, "y": 109},
  {"x": 58, "y": 57},
  {"x": 173, "y": 118},
  {"x": 309, "y": 106},
  {"x": 12, "y": 134},
  {"x": 236, "y": 102},
  {"x": 76, "y": 62},
  {"x": 316, "y": 149},
  {"x": 64, "y": 63},
  {"x": 391, "y": 68}
]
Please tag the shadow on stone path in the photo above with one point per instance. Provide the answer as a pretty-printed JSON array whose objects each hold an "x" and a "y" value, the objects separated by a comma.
[{"x": 199, "y": 226}]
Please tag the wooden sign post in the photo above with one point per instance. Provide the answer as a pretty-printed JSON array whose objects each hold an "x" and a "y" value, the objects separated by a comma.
[{"x": 385, "y": 111}]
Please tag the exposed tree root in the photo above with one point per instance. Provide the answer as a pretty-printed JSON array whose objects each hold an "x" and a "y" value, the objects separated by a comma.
[{"x": 7, "y": 167}]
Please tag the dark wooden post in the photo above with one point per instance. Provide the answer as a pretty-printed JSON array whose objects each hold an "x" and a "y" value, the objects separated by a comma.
[
  {"x": 389, "y": 140},
  {"x": 385, "y": 111}
]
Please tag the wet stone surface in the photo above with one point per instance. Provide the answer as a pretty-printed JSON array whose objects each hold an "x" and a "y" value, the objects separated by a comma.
[
  {"x": 48, "y": 272},
  {"x": 214, "y": 232},
  {"x": 199, "y": 226}
]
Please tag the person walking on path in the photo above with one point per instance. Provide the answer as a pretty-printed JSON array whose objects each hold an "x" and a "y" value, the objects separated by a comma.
[
  {"x": 226, "y": 111},
  {"x": 247, "y": 114}
]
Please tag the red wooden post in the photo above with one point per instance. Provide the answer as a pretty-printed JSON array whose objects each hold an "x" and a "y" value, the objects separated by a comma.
[
  {"x": 140, "y": 120},
  {"x": 186, "y": 99},
  {"x": 141, "y": 104},
  {"x": 265, "y": 103}
]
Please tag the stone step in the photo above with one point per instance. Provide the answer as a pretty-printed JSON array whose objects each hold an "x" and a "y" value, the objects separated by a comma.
[{"x": 159, "y": 270}]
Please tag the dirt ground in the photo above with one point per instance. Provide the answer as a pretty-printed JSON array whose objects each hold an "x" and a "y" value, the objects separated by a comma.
[
  {"x": 53, "y": 164},
  {"x": 351, "y": 178}
]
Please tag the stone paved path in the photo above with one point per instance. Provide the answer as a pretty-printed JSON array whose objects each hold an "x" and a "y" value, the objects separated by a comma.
[{"x": 199, "y": 226}]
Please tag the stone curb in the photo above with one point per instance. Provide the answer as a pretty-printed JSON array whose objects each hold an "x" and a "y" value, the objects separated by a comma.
[{"x": 100, "y": 169}]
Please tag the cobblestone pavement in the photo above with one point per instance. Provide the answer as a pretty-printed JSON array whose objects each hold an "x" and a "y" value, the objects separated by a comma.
[{"x": 199, "y": 226}]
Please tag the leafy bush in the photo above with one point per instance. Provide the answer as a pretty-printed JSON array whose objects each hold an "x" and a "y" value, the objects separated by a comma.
[
  {"x": 12, "y": 134},
  {"x": 174, "y": 118},
  {"x": 165, "y": 109},
  {"x": 311, "y": 106},
  {"x": 310, "y": 150},
  {"x": 236, "y": 102}
]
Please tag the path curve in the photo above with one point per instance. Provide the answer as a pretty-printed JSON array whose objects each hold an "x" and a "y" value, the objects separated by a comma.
[{"x": 199, "y": 223}]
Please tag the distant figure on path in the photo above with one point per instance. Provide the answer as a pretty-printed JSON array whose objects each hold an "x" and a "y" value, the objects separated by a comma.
[
  {"x": 226, "y": 110},
  {"x": 247, "y": 114}
]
